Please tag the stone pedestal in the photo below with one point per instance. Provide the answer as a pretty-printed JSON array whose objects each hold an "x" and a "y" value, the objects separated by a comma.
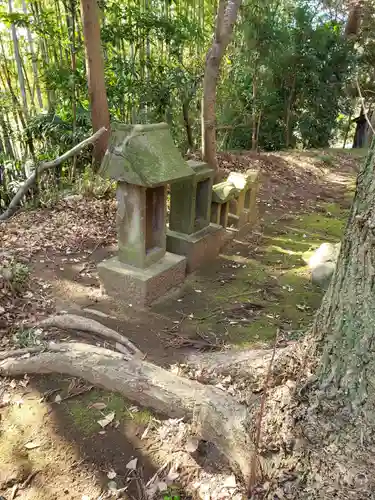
[
  {"x": 190, "y": 232},
  {"x": 141, "y": 287},
  {"x": 199, "y": 247}
]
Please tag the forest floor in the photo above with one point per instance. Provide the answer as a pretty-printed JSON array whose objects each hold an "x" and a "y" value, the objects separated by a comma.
[{"x": 54, "y": 443}]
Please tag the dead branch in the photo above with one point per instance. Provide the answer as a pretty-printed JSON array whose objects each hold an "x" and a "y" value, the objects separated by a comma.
[
  {"x": 45, "y": 166},
  {"x": 216, "y": 416},
  {"x": 74, "y": 322}
]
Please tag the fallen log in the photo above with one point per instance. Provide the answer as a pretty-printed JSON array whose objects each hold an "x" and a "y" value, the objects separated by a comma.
[{"x": 215, "y": 415}]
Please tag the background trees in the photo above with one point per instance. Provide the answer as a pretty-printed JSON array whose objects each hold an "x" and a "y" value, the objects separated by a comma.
[{"x": 288, "y": 79}]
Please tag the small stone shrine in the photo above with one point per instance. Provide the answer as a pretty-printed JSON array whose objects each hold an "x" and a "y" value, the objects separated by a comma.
[
  {"x": 222, "y": 194},
  {"x": 143, "y": 160},
  {"x": 242, "y": 209},
  {"x": 190, "y": 232}
]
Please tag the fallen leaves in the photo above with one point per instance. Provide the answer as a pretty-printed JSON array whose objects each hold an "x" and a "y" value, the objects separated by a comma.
[
  {"x": 106, "y": 420},
  {"x": 132, "y": 465},
  {"x": 98, "y": 406}
]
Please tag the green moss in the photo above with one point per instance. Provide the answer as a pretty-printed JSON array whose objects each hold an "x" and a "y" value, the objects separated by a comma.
[
  {"x": 85, "y": 417},
  {"x": 261, "y": 329},
  {"x": 318, "y": 226}
]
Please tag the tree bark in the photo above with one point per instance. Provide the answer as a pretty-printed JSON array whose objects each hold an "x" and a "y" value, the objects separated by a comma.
[
  {"x": 344, "y": 327},
  {"x": 95, "y": 75},
  {"x": 353, "y": 22},
  {"x": 225, "y": 20}
]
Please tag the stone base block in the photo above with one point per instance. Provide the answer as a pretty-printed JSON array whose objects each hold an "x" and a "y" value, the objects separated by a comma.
[
  {"x": 199, "y": 247},
  {"x": 141, "y": 287}
]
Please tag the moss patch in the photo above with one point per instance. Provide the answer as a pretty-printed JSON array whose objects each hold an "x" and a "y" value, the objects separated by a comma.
[
  {"x": 85, "y": 416},
  {"x": 256, "y": 289}
]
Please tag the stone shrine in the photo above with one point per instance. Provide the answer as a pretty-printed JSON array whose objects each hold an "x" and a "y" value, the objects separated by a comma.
[
  {"x": 143, "y": 160},
  {"x": 190, "y": 232},
  {"x": 242, "y": 210}
]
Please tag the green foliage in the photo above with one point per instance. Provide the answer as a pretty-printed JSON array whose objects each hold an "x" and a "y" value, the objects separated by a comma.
[
  {"x": 27, "y": 337},
  {"x": 91, "y": 185},
  {"x": 286, "y": 80},
  {"x": 288, "y": 72},
  {"x": 14, "y": 275}
]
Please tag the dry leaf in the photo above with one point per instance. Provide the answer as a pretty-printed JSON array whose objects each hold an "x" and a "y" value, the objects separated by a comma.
[
  {"x": 230, "y": 482},
  {"x": 132, "y": 465},
  {"x": 98, "y": 406},
  {"x": 106, "y": 420},
  {"x": 112, "y": 485},
  {"x": 111, "y": 474},
  {"x": 192, "y": 444},
  {"x": 58, "y": 399},
  {"x": 162, "y": 486},
  {"x": 172, "y": 476},
  {"x": 31, "y": 445}
]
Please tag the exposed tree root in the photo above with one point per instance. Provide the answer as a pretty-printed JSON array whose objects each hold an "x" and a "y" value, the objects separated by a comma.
[
  {"x": 74, "y": 322},
  {"x": 216, "y": 416},
  {"x": 250, "y": 365}
]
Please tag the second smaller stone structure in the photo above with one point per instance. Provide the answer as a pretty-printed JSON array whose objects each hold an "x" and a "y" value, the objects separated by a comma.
[
  {"x": 190, "y": 232},
  {"x": 242, "y": 210}
]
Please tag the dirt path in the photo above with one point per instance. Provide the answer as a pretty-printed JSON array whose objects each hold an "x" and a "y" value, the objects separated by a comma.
[{"x": 257, "y": 285}]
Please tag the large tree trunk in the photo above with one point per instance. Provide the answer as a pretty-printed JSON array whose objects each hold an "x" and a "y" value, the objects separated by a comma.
[
  {"x": 226, "y": 18},
  {"x": 95, "y": 75},
  {"x": 345, "y": 324}
]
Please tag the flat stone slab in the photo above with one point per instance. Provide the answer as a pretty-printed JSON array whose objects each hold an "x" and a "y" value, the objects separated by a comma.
[
  {"x": 141, "y": 287},
  {"x": 200, "y": 247}
]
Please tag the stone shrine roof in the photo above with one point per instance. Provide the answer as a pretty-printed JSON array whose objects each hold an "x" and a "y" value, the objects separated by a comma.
[{"x": 144, "y": 155}]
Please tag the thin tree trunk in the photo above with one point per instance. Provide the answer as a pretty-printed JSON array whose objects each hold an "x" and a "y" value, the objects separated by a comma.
[
  {"x": 189, "y": 132},
  {"x": 225, "y": 20},
  {"x": 71, "y": 23},
  {"x": 353, "y": 23},
  {"x": 17, "y": 57},
  {"x": 95, "y": 75},
  {"x": 33, "y": 60},
  {"x": 6, "y": 136},
  {"x": 347, "y": 130},
  {"x": 288, "y": 112},
  {"x": 254, "y": 142}
]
